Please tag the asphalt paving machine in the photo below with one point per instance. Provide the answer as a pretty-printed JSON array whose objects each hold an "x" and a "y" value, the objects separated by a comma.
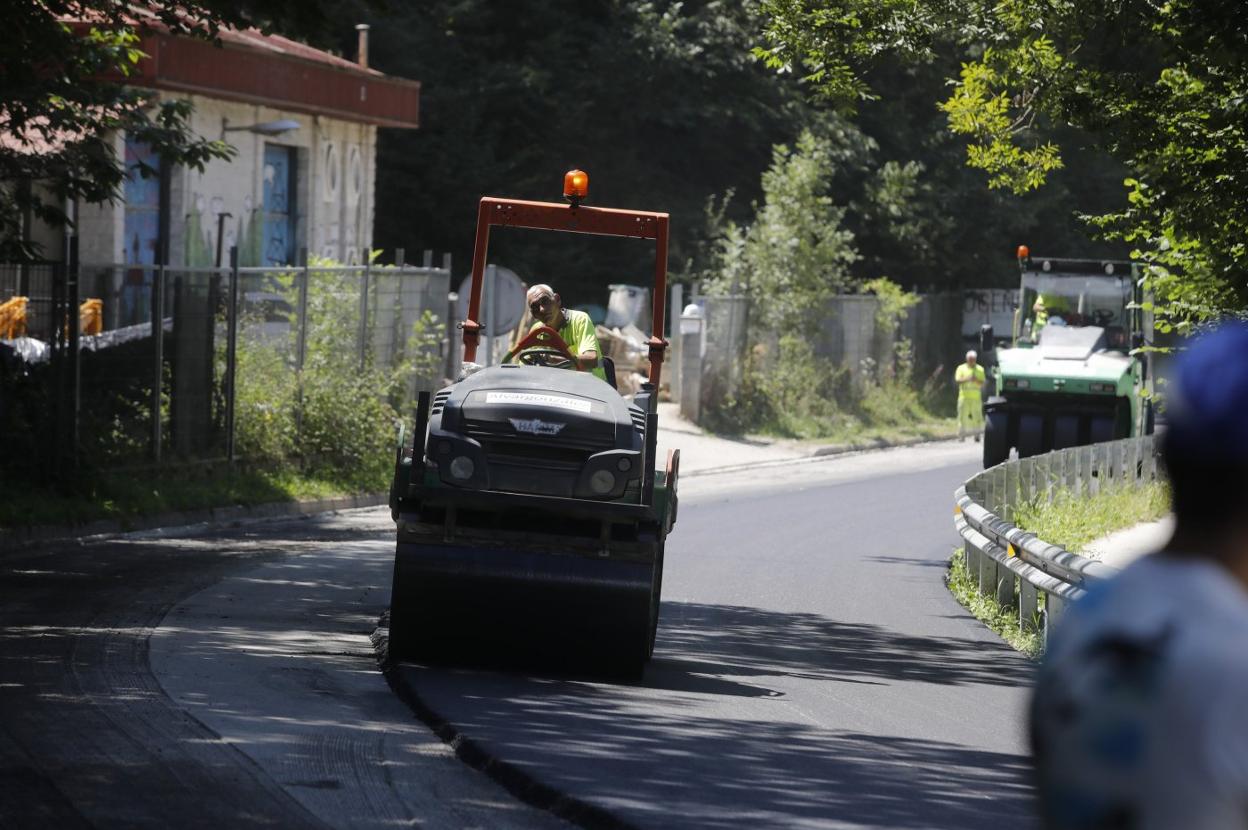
[
  {"x": 531, "y": 510},
  {"x": 1077, "y": 371}
]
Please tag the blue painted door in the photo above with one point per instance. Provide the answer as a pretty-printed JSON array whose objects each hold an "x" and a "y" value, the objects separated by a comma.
[
  {"x": 142, "y": 230},
  {"x": 279, "y": 204}
]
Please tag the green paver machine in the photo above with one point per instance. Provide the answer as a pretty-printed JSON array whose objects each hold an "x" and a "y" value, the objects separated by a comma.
[
  {"x": 530, "y": 513},
  {"x": 1077, "y": 371}
]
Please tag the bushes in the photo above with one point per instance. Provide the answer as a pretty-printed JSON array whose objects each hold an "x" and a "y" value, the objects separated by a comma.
[
  {"x": 335, "y": 418},
  {"x": 791, "y": 392}
]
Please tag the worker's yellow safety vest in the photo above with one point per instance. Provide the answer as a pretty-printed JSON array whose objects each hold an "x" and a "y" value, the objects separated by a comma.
[{"x": 965, "y": 377}]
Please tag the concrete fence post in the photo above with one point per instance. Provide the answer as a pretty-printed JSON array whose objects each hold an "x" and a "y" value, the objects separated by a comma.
[
  {"x": 692, "y": 332},
  {"x": 673, "y": 317},
  {"x": 453, "y": 345},
  {"x": 362, "y": 339}
]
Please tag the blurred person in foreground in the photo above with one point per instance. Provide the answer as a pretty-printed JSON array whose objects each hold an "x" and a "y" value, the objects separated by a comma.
[{"x": 1140, "y": 713}]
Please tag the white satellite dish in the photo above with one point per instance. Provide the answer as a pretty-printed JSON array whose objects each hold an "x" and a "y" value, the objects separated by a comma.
[{"x": 507, "y": 306}]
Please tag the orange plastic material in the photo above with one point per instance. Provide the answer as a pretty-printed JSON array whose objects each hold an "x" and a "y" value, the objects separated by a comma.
[
  {"x": 91, "y": 316},
  {"x": 575, "y": 184},
  {"x": 1023, "y": 252},
  {"x": 13, "y": 318}
]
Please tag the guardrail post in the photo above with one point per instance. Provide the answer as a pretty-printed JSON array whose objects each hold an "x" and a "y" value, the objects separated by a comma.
[
  {"x": 1009, "y": 494},
  {"x": 1054, "y": 608},
  {"x": 1005, "y": 585},
  {"x": 970, "y": 558},
  {"x": 1045, "y": 466},
  {"x": 1070, "y": 470},
  {"x": 1028, "y": 605},
  {"x": 987, "y": 576}
]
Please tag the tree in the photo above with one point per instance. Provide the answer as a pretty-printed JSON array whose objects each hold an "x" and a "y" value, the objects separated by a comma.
[
  {"x": 797, "y": 253},
  {"x": 1162, "y": 87},
  {"x": 63, "y": 93},
  {"x": 660, "y": 102}
]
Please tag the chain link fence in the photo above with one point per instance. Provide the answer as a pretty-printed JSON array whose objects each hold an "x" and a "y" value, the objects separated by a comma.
[{"x": 126, "y": 366}]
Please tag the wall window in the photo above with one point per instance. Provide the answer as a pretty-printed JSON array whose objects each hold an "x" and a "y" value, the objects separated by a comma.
[
  {"x": 331, "y": 172},
  {"x": 280, "y": 179},
  {"x": 355, "y": 175},
  {"x": 142, "y": 230}
]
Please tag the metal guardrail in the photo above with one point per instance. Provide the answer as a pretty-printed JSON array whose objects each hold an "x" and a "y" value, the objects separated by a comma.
[{"x": 1013, "y": 565}]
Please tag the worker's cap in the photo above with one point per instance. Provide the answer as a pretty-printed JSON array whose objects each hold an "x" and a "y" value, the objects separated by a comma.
[
  {"x": 1207, "y": 407},
  {"x": 971, "y": 355}
]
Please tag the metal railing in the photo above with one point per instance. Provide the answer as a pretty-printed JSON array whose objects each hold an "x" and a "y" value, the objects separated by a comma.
[
  {"x": 1013, "y": 565},
  {"x": 159, "y": 383}
]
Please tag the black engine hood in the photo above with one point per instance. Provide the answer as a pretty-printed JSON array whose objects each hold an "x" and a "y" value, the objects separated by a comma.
[{"x": 539, "y": 403}]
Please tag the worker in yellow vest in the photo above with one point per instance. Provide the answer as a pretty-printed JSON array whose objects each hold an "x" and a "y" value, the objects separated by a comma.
[
  {"x": 970, "y": 379},
  {"x": 1040, "y": 320}
]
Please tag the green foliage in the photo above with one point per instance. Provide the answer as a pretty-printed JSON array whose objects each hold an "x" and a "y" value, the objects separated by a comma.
[
  {"x": 1160, "y": 86},
  {"x": 125, "y": 496},
  {"x": 790, "y": 392},
  {"x": 336, "y": 417},
  {"x": 1073, "y": 520},
  {"x": 1004, "y": 621},
  {"x": 895, "y": 302},
  {"x": 796, "y": 254},
  {"x": 660, "y": 102},
  {"x": 63, "y": 98}
]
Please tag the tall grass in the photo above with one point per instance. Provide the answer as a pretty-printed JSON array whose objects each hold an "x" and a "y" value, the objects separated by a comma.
[{"x": 1073, "y": 520}]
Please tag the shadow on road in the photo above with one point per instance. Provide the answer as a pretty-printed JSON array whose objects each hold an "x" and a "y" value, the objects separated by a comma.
[
  {"x": 737, "y": 641},
  {"x": 710, "y": 738}
]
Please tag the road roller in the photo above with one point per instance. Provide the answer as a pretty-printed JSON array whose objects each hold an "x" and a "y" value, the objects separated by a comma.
[{"x": 530, "y": 507}]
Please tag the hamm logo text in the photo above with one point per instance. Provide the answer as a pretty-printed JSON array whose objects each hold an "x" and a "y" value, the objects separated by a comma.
[{"x": 536, "y": 426}]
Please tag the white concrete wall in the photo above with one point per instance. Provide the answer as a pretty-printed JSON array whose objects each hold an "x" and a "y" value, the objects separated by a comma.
[
  {"x": 334, "y": 213},
  {"x": 101, "y": 228}
]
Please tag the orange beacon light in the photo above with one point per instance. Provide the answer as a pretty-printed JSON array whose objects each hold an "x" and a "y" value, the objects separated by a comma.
[{"x": 575, "y": 186}]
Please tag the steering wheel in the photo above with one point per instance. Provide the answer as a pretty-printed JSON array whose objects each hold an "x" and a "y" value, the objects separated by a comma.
[
  {"x": 1102, "y": 317},
  {"x": 545, "y": 344},
  {"x": 546, "y": 357}
]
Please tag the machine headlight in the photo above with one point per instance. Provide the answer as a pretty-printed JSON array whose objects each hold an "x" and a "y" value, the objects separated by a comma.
[
  {"x": 1017, "y": 383},
  {"x": 602, "y": 482},
  {"x": 624, "y": 465},
  {"x": 462, "y": 467},
  {"x": 1102, "y": 387}
]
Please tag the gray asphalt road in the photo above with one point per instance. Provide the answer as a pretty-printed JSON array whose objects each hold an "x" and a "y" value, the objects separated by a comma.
[
  {"x": 257, "y": 702},
  {"x": 811, "y": 671}
]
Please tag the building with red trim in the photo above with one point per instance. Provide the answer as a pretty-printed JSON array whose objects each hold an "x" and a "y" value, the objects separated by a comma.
[{"x": 304, "y": 123}]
